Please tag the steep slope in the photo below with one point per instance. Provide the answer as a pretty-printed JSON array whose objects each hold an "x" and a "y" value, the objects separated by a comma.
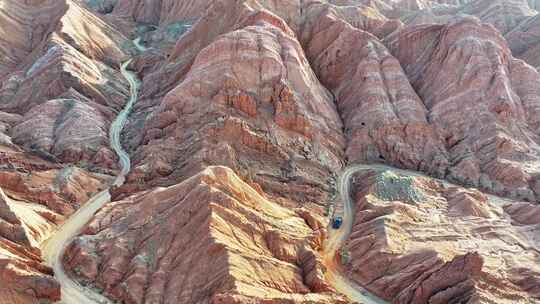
[
  {"x": 249, "y": 110},
  {"x": 385, "y": 120},
  {"x": 524, "y": 41},
  {"x": 419, "y": 240},
  {"x": 213, "y": 223},
  {"x": 68, "y": 129},
  {"x": 485, "y": 105},
  {"x": 58, "y": 92},
  {"x": 70, "y": 60},
  {"x": 437, "y": 122},
  {"x": 21, "y": 267},
  {"x": 250, "y": 102},
  {"x": 35, "y": 197},
  {"x": 23, "y": 27}
]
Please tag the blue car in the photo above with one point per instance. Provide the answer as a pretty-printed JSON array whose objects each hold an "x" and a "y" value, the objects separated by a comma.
[{"x": 336, "y": 222}]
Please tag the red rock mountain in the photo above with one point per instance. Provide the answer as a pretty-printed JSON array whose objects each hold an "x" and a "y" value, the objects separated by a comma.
[{"x": 269, "y": 151}]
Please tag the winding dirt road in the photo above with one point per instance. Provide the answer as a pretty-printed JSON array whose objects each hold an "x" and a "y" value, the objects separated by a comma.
[
  {"x": 336, "y": 238},
  {"x": 53, "y": 248}
]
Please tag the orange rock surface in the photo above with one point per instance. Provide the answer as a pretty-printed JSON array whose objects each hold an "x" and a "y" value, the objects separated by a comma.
[
  {"x": 211, "y": 238},
  {"x": 247, "y": 113},
  {"x": 417, "y": 240}
]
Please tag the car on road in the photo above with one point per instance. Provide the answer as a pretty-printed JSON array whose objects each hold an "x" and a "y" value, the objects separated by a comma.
[{"x": 336, "y": 222}]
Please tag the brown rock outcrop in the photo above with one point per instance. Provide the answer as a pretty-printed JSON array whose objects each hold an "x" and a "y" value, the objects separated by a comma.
[
  {"x": 485, "y": 106},
  {"x": 225, "y": 242},
  {"x": 25, "y": 280},
  {"x": 384, "y": 118},
  {"x": 62, "y": 51},
  {"x": 410, "y": 244},
  {"x": 524, "y": 41},
  {"x": 22, "y": 28},
  {"x": 388, "y": 120},
  {"x": 284, "y": 93},
  {"x": 35, "y": 195},
  {"x": 61, "y": 70},
  {"x": 34, "y": 22},
  {"x": 59, "y": 190},
  {"x": 10, "y": 225},
  {"x": 252, "y": 103},
  {"x": 69, "y": 129},
  {"x": 21, "y": 268},
  {"x": 524, "y": 213}
]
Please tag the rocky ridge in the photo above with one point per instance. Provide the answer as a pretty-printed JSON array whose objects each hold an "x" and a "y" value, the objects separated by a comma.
[
  {"x": 417, "y": 240},
  {"x": 212, "y": 223},
  {"x": 248, "y": 112}
]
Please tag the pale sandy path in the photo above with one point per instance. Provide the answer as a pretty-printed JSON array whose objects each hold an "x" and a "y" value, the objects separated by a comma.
[
  {"x": 336, "y": 238},
  {"x": 53, "y": 248}
]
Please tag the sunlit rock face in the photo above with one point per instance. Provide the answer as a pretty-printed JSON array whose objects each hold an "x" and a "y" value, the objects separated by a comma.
[
  {"x": 247, "y": 113},
  {"x": 213, "y": 223},
  {"x": 35, "y": 197},
  {"x": 59, "y": 90},
  {"x": 265, "y": 115},
  {"x": 66, "y": 86},
  {"x": 384, "y": 118},
  {"x": 417, "y": 240},
  {"x": 398, "y": 108},
  {"x": 486, "y": 104},
  {"x": 36, "y": 194}
]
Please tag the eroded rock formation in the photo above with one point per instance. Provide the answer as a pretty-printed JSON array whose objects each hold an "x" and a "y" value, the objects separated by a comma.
[
  {"x": 247, "y": 112},
  {"x": 417, "y": 240},
  {"x": 212, "y": 238},
  {"x": 485, "y": 106},
  {"x": 249, "y": 102}
]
